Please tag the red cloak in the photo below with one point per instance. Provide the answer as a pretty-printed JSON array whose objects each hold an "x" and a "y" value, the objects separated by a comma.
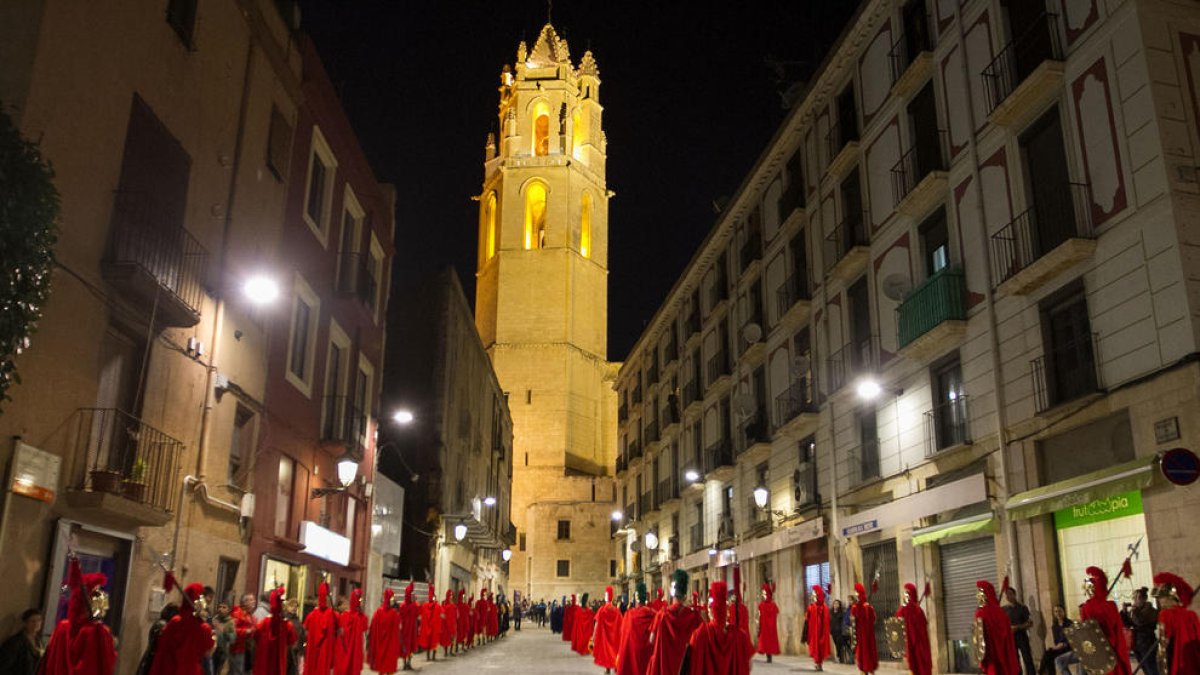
[
  {"x": 866, "y": 653},
  {"x": 585, "y": 623},
  {"x": 739, "y": 612},
  {"x": 817, "y": 616},
  {"x": 449, "y": 620},
  {"x": 273, "y": 639},
  {"x": 431, "y": 623},
  {"x": 348, "y": 655},
  {"x": 57, "y": 659},
  {"x": 493, "y": 617},
  {"x": 916, "y": 634},
  {"x": 1104, "y": 611},
  {"x": 320, "y": 627},
  {"x": 568, "y": 623},
  {"x": 463, "y": 632},
  {"x": 408, "y": 615},
  {"x": 719, "y": 647},
  {"x": 608, "y": 635},
  {"x": 658, "y": 603},
  {"x": 243, "y": 629},
  {"x": 768, "y": 628},
  {"x": 671, "y": 630},
  {"x": 1181, "y": 627},
  {"x": 185, "y": 639},
  {"x": 633, "y": 652},
  {"x": 474, "y": 618},
  {"x": 383, "y": 653},
  {"x": 1000, "y": 657}
]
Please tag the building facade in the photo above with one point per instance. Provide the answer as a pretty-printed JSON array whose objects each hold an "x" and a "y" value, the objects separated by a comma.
[
  {"x": 541, "y": 309},
  {"x": 325, "y": 357},
  {"x": 946, "y": 327},
  {"x": 456, "y": 452}
]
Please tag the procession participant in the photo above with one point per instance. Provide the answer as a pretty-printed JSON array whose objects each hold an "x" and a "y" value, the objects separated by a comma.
[
  {"x": 700, "y": 608},
  {"x": 463, "y": 632},
  {"x": 866, "y": 653},
  {"x": 916, "y": 633},
  {"x": 768, "y": 630},
  {"x": 671, "y": 630},
  {"x": 1104, "y": 612},
  {"x": 273, "y": 639},
  {"x": 320, "y": 627},
  {"x": 817, "y": 620},
  {"x": 493, "y": 617},
  {"x": 585, "y": 621},
  {"x": 185, "y": 640},
  {"x": 383, "y": 642},
  {"x": 81, "y": 644},
  {"x": 658, "y": 603},
  {"x": 431, "y": 626},
  {"x": 409, "y": 615},
  {"x": 450, "y": 623},
  {"x": 568, "y": 621},
  {"x": 348, "y": 652},
  {"x": 633, "y": 653},
  {"x": 1179, "y": 642},
  {"x": 720, "y": 646},
  {"x": 736, "y": 611},
  {"x": 608, "y": 633},
  {"x": 991, "y": 623}
]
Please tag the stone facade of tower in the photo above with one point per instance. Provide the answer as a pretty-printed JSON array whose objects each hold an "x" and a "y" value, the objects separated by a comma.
[{"x": 542, "y": 313}]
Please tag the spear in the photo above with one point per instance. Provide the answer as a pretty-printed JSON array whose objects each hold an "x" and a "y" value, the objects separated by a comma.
[{"x": 1127, "y": 565}]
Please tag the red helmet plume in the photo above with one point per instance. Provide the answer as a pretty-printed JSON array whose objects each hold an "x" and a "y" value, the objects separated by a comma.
[
  {"x": 989, "y": 591},
  {"x": 911, "y": 591},
  {"x": 94, "y": 580},
  {"x": 1099, "y": 582},
  {"x": 1181, "y": 587},
  {"x": 356, "y": 600},
  {"x": 323, "y": 596},
  {"x": 861, "y": 591},
  {"x": 718, "y": 595},
  {"x": 194, "y": 591}
]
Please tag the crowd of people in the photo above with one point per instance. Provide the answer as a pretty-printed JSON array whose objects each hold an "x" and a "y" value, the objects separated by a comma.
[{"x": 263, "y": 637}]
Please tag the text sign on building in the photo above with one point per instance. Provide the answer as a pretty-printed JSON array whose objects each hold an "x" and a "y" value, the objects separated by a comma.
[
  {"x": 35, "y": 473},
  {"x": 324, "y": 544},
  {"x": 1108, "y": 508},
  {"x": 860, "y": 528}
]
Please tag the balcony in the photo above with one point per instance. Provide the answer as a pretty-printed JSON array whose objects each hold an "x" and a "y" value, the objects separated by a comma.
[
  {"x": 842, "y": 146},
  {"x": 754, "y": 437},
  {"x": 846, "y": 248},
  {"x": 622, "y": 464},
  {"x": 130, "y": 470},
  {"x": 726, "y": 533},
  {"x": 865, "y": 462},
  {"x": 752, "y": 352},
  {"x": 631, "y": 513},
  {"x": 692, "y": 396},
  {"x": 343, "y": 423},
  {"x": 651, "y": 434},
  {"x": 154, "y": 261},
  {"x": 671, "y": 353},
  {"x": 691, "y": 326},
  {"x": 673, "y": 550},
  {"x": 622, "y": 413},
  {"x": 634, "y": 453},
  {"x": 792, "y": 303},
  {"x": 858, "y": 358},
  {"x": 933, "y": 317},
  {"x": 718, "y": 461},
  {"x": 667, "y": 492},
  {"x": 354, "y": 277},
  {"x": 947, "y": 426},
  {"x": 1026, "y": 74},
  {"x": 804, "y": 485},
  {"x": 652, "y": 375},
  {"x": 919, "y": 178},
  {"x": 751, "y": 253},
  {"x": 635, "y": 397},
  {"x": 670, "y": 414},
  {"x": 645, "y": 505},
  {"x": 696, "y": 537},
  {"x": 718, "y": 373},
  {"x": 911, "y": 60},
  {"x": 1064, "y": 373},
  {"x": 796, "y": 409},
  {"x": 1044, "y": 241}
]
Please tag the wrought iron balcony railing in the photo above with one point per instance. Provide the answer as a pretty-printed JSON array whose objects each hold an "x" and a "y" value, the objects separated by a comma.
[
  {"x": 718, "y": 366},
  {"x": 751, "y": 251},
  {"x": 857, "y": 358},
  {"x": 846, "y": 235},
  {"x": 839, "y": 135},
  {"x": 1065, "y": 372},
  {"x": 799, "y": 397},
  {"x": 1067, "y": 214},
  {"x": 1038, "y": 42},
  {"x": 125, "y": 456},
  {"x": 918, "y": 162},
  {"x": 947, "y": 425},
  {"x": 717, "y": 455},
  {"x": 793, "y": 290}
]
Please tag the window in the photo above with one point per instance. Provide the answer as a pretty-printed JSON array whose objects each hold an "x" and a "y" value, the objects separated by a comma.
[
  {"x": 318, "y": 197},
  {"x": 868, "y": 445},
  {"x": 949, "y": 412},
  {"x": 861, "y": 353},
  {"x": 1069, "y": 366},
  {"x": 364, "y": 395},
  {"x": 535, "y": 216},
  {"x": 521, "y": 545},
  {"x": 351, "y": 514},
  {"x": 283, "y": 498},
  {"x": 854, "y": 232},
  {"x": 793, "y": 194},
  {"x": 564, "y": 530},
  {"x": 374, "y": 292},
  {"x": 241, "y": 446},
  {"x": 935, "y": 243},
  {"x": 337, "y": 369},
  {"x": 726, "y": 529},
  {"x": 303, "y": 335},
  {"x": 585, "y": 226},
  {"x": 489, "y": 227},
  {"x": 227, "y": 569},
  {"x": 847, "y": 115},
  {"x": 804, "y": 479},
  {"x": 181, "y": 15},
  {"x": 541, "y": 129},
  {"x": 279, "y": 145},
  {"x": 612, "y": 568},
  {"x": 578, "y": 134},
  {"x": 562, "y": 568},
  {"x": 349, "y": 263}
]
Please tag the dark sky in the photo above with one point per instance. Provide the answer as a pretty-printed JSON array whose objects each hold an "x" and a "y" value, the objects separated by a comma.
[{"x": 689, "y": 103}]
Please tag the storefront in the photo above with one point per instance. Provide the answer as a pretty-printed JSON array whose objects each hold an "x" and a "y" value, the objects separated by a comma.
[{"x": 99, "y": 550}]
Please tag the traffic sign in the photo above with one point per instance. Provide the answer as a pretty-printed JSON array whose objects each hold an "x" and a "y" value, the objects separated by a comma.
[{"x": 1180, "y": 466}]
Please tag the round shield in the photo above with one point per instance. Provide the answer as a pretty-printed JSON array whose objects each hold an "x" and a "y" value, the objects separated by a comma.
[
  {"x": 1095, "y": 654},
  {"x": 893, "y": 628}
]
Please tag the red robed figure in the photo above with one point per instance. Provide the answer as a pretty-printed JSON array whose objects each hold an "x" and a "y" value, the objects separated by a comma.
[
  {"x": 409, "y": 614},
  {"x": 320, "y": 627},
  {"x": 720, "y": 647},
  {"x": 916, "y": 633},
  {"x": 383, "y": 651},
  {"x": 463, "y": 612},
  {"x": 185, "y": 639},
  {"x": 431, "y": 623},
  {"x": 273, "y": 637},
  {"x": 65, "y": 653},
  {"x": 699, "y": 607},
  {"x": 658, "y": 603},
  {"x": 1105, "y": 613},
  {"x": 568, "y": 621},
  {"x": 474, "y": 616},
  {"x": 1181, "y": 627},
  {"x": 1000, "y": 656},
  {"x": 768, "y": 617},
  {"x": 449, "y": 620},
  {"x": 493, "y": 616},
  {"x": 348, "y": 655},
  {"x": 585, "y": 623},
  {"x": 737, "y": 612},
  {"x": 817, "y": 616},
  {"x": 866, "y": 653},
  {"x": 672, "y": 628},
  {"x": 608, "y": 633},
  {"x": 633, "y": 652}
]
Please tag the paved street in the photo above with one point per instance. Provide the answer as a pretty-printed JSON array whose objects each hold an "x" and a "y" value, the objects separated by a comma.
[{"x": 537, "y": 650}]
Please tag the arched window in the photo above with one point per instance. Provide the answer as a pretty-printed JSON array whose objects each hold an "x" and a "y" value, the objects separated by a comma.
[
  {"x": 535, "y": 216},
  {"x": 489, "y": 227},
  {"x": 578, "y": 134},
  {"x": 585, "y": 226},
  {"x": 541, "y": 129}
]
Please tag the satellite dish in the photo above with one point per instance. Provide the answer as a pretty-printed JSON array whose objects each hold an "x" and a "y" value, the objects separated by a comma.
[
  {"x": 743, "y": 403},
  {"x": 752, "y": 333},
  {"x": 896, "y": 286}
]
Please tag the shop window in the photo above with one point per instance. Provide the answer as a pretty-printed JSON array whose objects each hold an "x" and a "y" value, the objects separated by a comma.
[{"x": 562, "y": 568}]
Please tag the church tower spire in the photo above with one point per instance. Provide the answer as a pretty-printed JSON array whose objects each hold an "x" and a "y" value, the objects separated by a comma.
[{"x": 541, "y": 307}]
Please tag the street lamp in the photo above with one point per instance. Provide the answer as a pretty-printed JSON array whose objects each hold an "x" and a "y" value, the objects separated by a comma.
[
  {"x": 460, "y": 531},
  {"x": 506, "y": 554},
  {"x": 691, "y": 475},
  {"x": 489, "y": 501},
  {"x": 868, "y": 389},
  {"x": 617, "y": 516},
  {"x": 260, "y": 289},
  {"x": 403, "y": 416},
  {"x": 347, "y": 469},
  {"x": 652, "y": 540},
  {"x": 760, "y": 496}
]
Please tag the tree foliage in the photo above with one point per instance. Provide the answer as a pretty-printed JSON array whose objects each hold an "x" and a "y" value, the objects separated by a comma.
[{"x": 28, "y": 230}]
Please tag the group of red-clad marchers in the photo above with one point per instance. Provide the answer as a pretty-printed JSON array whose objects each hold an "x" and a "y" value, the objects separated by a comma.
[{"x": 338, "y": 643}]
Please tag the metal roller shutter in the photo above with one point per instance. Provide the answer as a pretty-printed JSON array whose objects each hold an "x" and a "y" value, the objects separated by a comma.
[
  {"x": 963, "y": 564},
  {"x": 886, "y": 599}
]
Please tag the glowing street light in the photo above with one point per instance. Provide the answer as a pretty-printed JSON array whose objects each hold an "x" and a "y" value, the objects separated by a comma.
[
  {"x": 691, "y": 475},
  {"x": 868, "y": 389},
  {"x": 506, "y": 554},
  {"x": 460, "y": 531},
  {"x": 260, "y": 289},
  {"x": 347, "y": 470},
  {"x": 617, "y": 515},
  {"x": 489, "y": 501},
  {"x": 760, "y": 496},
  {"x": 651, "y": 540},
  {"x": 403, "y": 416}
]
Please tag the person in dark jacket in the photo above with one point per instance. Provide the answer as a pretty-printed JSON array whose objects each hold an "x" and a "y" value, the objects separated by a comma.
[
  {"x": 837, "y": 632},
  {"x": 165, "y": 615},
  {"x": 1060, "y": 646},
  {"x": 1142, "y": 619},
  {"x": 20, "y": 653}
]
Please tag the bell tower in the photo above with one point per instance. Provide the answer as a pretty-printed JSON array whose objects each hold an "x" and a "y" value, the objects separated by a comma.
[{"x": 541, "y": 309}]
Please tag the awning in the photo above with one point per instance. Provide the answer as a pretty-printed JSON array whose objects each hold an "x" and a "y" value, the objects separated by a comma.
[
  {"x": 984, "y": 522},
  {"x": 1135, "y": 475}
]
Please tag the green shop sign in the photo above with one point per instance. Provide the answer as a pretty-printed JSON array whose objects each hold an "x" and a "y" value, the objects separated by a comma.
[{"x": 1107, "y": 508}]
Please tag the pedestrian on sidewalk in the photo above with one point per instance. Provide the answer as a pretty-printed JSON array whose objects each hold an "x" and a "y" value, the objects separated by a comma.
[
  {"x": 1018, "y": 615},
  {"x": 20, "y": 653},
  {"x": 837, "y": 631}
]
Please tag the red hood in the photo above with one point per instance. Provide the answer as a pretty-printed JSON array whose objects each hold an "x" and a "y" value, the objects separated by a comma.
[
  {"x": 387, "y": 597},
  {"x": 323, "y": 596},
  {"x": 989, "y": 591},
  {"x": 718, "y": 595},
  {"x": 1099, "y": 582},
  {"x": 356, "y": 600},
  {"x": 910, "y": 592},
  {"x": 820, "y": 593},
  {"x": 408, "y": 593},
  {"x": 861, "y": 591}
]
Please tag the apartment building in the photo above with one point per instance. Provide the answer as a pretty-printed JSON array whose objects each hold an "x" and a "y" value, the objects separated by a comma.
[{"x": 944, "y": 329}]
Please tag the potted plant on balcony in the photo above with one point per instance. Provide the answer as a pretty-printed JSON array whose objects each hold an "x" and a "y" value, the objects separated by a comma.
[
  {"x": 106, "y": 480},
  {"x": 135, "y": 484}
]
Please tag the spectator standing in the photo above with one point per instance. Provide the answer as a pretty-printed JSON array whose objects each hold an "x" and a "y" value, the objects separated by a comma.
[
  {"x": 837, "y": 631},
  {"x": 1143, "y": 621},
  {"x": 223, "y": 630},
  {"x": 1018, "y": 616},
  {"x": 19, "y": 655},
  {"x": 243, "y": 631}
]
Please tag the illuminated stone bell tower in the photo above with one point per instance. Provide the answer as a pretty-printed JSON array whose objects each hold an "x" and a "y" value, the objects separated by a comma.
[{"x": 541, "y": 309}]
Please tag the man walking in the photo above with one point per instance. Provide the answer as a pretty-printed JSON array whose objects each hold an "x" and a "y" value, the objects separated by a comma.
[{"x": 1018, "y": 616}]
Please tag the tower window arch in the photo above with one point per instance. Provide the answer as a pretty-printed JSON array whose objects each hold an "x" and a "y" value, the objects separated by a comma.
[
  {"x": 585, "y": 225},
  {"x": 535, "y": 215},
  {"x": 490, "y": 235},
  {"x": 541, "y": 129},
  {"x": 578, "y": 134}
]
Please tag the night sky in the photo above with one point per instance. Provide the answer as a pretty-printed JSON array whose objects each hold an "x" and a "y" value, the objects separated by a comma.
[{"x": 689, "y": 98}]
